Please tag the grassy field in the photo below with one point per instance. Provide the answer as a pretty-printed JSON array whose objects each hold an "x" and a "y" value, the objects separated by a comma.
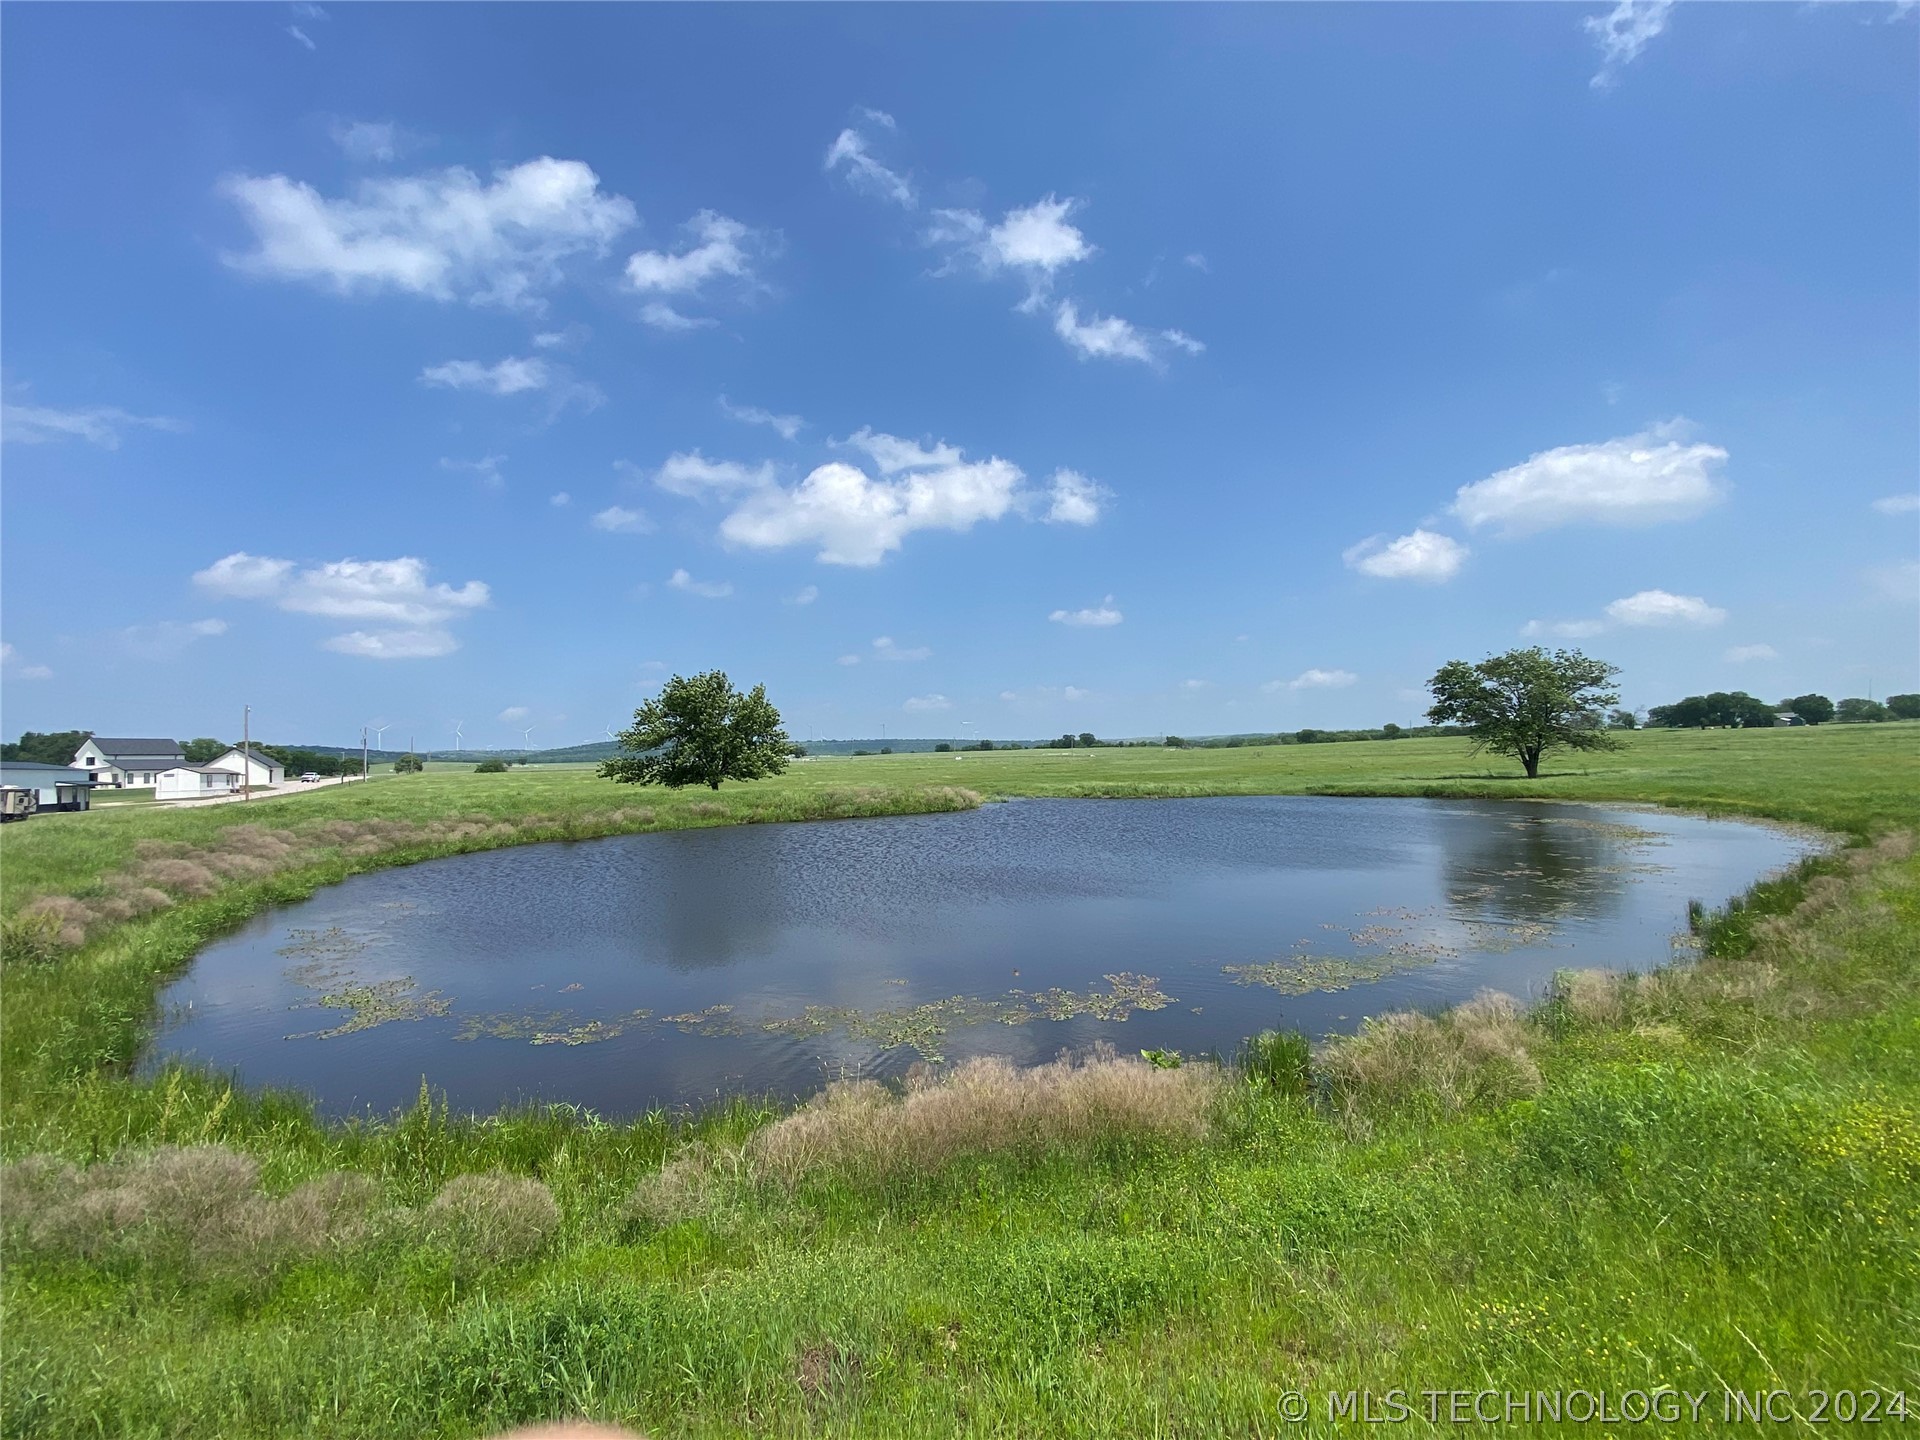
[{"x": 1701, "y": 1179}]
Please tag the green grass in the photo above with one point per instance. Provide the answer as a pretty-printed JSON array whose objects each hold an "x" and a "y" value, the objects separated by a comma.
[{"x": 1710, "y": 1178}]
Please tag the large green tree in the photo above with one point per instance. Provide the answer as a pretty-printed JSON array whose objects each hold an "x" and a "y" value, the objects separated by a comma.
[
  {"x": 56, "y": 747},
  {"x": 1528, "y": 702},
  {"x": 1812, "y": 708},
  {"x": 1904, "y": 707},
  {"x": 699, "y": 730}
]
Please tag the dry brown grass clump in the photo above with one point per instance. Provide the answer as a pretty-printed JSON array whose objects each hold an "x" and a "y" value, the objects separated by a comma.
[
  {"x": 196, "y": 1209},
  {"x": 491, "y": 1219},
  {"x": 1471, "y": 1056},
  {"x": 982, "y": 1107}
]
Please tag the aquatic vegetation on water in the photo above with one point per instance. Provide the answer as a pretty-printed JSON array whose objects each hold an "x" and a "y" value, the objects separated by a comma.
[{"x": 379, "y": 1003}]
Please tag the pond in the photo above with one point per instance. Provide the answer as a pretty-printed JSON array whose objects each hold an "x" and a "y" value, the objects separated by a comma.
[{"x": 673, "y": 968}]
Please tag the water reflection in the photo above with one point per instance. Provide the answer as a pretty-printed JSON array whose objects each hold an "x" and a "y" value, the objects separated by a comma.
[{"x": 660, "y": 969}]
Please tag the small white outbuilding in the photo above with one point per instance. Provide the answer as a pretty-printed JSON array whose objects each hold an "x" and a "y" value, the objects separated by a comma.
[
  {"x": 194, "y": 782},
  {"x": 252, "y": 767}
]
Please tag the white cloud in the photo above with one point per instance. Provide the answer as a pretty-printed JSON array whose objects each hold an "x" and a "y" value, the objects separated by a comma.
[
  {"x": 855, "y": 520},
  {"x": 785, "y": 426},
  {"x": 705, "y": 589},
  {"x": 890, "y": 454},
  {"x": 848, "y": 660},
  {"x": 560, "y": 499},
  {"x": 925, "y": 704},
  {"x": 691, "y": 474},
  {"x": 1661, "y": 607},
  {"x": 884, "y": 648},
  {"x": 1897, "y": 504},
  {"x": 1635, "y": 480},
  {"x": 1741, "y": 654},
  {"x": 1099, "y": 616},
  {"x": 1198, "y": 262},
  {"x": 423, "y": 644},
  {"x": 806, "y": 596},
  {"x": 568, "y": 335},
  {"x": 305, "y": 39},
  {"x": 506, "y": 377},
  {"x": 486, "y": 469},
  {"x": 1422, "y": 555},
  {"x": 851, "y": 153},
  {"x": 619, "y": 520},
  {"x": 168, "y": 638},
  {"x": 719, "y": 250},
  {"x": 393, "y": 591},
  {"x": 444, "y": 234},
  {"x": 98, "y": 424},
  {"x": 1037, "y": 239},
  {"x": 1073, "y": 499},
  {"x": 1193, "y": 684},
  {"x": 1074, "y": 692},
  {"x": 514, "y": 713},
  {"x": 1317, "y": 679},
  {"x": 1622, "y": 33},
  {"x": 1563, "y": 629},
  {"x": 10, "y": 663},
  {"x": 1108, "y": 337}
]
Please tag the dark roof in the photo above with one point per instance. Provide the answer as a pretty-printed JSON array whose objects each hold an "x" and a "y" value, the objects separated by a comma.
[{"x": 113, "y": 749}]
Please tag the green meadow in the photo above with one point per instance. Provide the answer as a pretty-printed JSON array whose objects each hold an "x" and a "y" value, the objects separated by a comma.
[{"x": 1701, "y": 1180}]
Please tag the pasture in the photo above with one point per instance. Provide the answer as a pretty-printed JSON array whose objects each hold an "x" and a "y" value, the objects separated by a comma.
[{"x": 1697, "y": 1179}]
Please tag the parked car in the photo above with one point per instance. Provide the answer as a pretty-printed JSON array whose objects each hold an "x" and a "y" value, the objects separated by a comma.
[
  {"x": 17, "y": 802},
  {"x": 310, "y": 778}
]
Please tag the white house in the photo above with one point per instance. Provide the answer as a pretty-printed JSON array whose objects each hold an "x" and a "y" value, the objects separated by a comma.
[
  {"x": 194, "y": 782},
  {"x": 124, "y": 763},
  {"x": 251, "y": 766}
]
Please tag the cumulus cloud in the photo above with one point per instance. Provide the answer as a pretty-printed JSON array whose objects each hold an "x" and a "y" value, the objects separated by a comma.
[
  {"x": 923, "y": 704},
  {"x": 1096, "y": 616},
  {"x": 856, "y": 520},
  {"x": 851, "y": 155},
  {"x": 444, "y": 234},
  {"x": 662, "y": 316},
  {"x": 505, "y": 377},
  {"x": 97, "y": 424},
  {"x": 1422, "y": 555},
  {"x": 1635, "y": 480},
  {"x": 848, "y": 660},
  {"x": 785, "y": 426},
  {"x": 1897, "y": 504},
  {"x": 395, "y": 592},
  {"x": 1662, "y": 607},
  {"x": 691, "y": 474},
  {"x": 1622, "y": 33},
  {"x": 1741, "y": 654},
  {"x": 705, "y": 589},
  {"x": 1073, "y": 499},
  {"x": 719, "y": 250},
  {"x": 619, "y": 520},
  {"x": 806, "y": 596},
  {"x": 513, "y": 714},
  {"x": 890, "y": 454},
  {"x": 884, "y": 648}
]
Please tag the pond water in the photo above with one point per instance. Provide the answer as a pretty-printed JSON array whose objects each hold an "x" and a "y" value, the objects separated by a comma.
[{"x": 671, "y": 968}]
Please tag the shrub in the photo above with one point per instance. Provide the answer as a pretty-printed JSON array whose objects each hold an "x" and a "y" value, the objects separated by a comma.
[
  {"x": 491, "y": 767},
  {"x": 491, "y": 1219},
  {"x": 30, "y": 936},
  {"x": 1473, "y": 1056}
]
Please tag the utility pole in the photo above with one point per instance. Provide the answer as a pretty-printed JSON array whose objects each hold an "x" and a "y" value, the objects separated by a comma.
[
  {"x": 363, "y": 752},
  {"x": 246, "y": 753}
]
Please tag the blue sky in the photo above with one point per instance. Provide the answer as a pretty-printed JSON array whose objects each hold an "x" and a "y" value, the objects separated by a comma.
[{"x": 996, "y": 370}]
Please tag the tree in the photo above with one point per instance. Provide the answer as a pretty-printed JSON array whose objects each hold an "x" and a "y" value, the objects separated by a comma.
[
  {"x": 1860, "y": 712},
  {"x": 1814, "y": 709},
  {"x": 1391, "y": 731},
  {"x": 56, "y": 747},
  {"x": 942, "y": 748},
  {"x": 491, "y": 767},
  {"x": 199, "y": 751},
  {"x": 1622, "y": 720},
  {"x": 1527, "y": 702},
  {"x": 1175, "y": 742},
  {"x": 409, "y": 764},
  {"x": 1904, "y": 707},
  {"x": 1087, "y": 740},
  {"x": 699, "y": 730}
]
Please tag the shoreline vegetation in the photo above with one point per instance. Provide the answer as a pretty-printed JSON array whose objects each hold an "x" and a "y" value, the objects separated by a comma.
[{"x": 1697, "y": 1178}]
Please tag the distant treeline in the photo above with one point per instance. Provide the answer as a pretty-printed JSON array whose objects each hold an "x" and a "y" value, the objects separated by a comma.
[{"x": 1735, "y": 709}]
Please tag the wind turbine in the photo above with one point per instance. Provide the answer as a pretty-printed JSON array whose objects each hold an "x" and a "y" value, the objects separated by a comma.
[
  {"x": 459, "y": 736},
  {"x": 526, "y": 738},
  {"x": 380, "y": 735}
]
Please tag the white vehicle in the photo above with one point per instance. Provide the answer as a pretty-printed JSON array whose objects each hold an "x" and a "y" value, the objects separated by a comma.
[{"x": 310, "y": 778}]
